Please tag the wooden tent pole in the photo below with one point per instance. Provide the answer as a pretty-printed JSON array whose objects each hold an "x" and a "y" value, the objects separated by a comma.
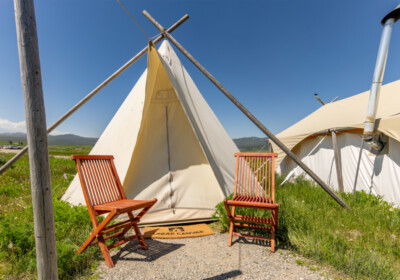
[
  {"x": 247, "y": 112},
  {"x": 337, "y": 161},
  {"x": 43, "y": 217},
  {"x": 94, "y": 92}
]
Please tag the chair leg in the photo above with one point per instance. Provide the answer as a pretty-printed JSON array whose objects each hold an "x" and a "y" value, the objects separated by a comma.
[
  {"x": 140, "y": 215},
  {"x": 104, "y": 250},
  {"x": 83, "y": 247},
  {"x": 230, "y": 233},
  {"x": 231, "y": 221},
  {"x": 142, "y": 243},
  {"x": 122, "y": 234},
  {"x": 274, "y": 229},
  {"x": 139, "y": 236},
  {"x": 273, "y": 239},
  {"x": 95, "y": 232}
]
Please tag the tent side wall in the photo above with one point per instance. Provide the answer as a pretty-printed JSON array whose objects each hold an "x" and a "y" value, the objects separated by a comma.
[{"x": 378, "y": 175}]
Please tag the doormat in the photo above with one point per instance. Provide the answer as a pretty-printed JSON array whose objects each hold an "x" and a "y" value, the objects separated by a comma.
[{"x": 177, "y": 231}]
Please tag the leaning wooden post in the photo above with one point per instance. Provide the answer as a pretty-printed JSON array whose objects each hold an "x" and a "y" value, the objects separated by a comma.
[
  {"x": 28, "y": 49},
  {"x": 337, "y": 161},
  {"x": 271, "y": 136},
  {"x": 95, "y": 91}
]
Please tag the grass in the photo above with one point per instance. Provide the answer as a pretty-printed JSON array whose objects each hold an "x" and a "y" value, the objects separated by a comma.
[
  {"x": 16, "y": 143},
  {"x": 60, "y": 150},
  {"x": 67, "y": 150},
  {"x": 72, "y": 224},
  {"x": 363, "y": 243}
]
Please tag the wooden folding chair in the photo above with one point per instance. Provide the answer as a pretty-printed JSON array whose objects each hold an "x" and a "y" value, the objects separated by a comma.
[
  {"x": 254, "y": 188},
  {"x": 104, "y": 194}
]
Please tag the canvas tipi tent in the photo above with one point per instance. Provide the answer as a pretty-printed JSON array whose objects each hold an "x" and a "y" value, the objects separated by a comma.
[
  {"x": 311, "y": 141},
  {"x": 167, "y": 144}
]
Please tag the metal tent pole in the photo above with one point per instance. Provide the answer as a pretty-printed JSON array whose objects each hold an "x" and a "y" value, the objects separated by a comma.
[
  {"x": 369, "y": 129},
  {"x": 247, "y": 112},
  {"x": 94, "y": 92}
]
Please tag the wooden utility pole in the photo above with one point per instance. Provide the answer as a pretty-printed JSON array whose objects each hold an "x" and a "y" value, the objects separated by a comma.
[{"x": 31, "y": 77}]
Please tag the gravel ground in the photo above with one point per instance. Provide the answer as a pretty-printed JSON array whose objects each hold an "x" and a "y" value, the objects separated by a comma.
[{"x": 207, "y": 258}]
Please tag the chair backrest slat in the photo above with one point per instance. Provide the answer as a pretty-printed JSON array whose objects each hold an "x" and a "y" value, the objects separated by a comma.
[
  {"x": 255, "y": 176},
  {"x": 112, "y": 193},
  {"x": 99, "y": 179}
]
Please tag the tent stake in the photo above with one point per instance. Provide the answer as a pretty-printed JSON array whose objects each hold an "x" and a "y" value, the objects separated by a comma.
[
  {"x": 94, "y": 92},
  {"x": 337, "y": 161},
  {"x": 247, "y": 112},
  {"x": 42, "y": 201}
]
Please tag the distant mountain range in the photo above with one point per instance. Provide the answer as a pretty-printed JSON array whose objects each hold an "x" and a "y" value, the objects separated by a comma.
[
  {"x": 244, "y": 144},
  {"x": 64, "y": 139}
]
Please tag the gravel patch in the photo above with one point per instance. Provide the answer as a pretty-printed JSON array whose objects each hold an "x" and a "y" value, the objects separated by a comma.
[{"x": 207, "y": 258}]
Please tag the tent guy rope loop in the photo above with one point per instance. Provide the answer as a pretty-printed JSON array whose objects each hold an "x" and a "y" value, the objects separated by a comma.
[{"x": 126, "y": 10}]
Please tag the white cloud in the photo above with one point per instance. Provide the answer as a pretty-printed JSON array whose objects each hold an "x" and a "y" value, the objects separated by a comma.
[
  {"x": 57, "y": 132},
  {"x": 9, "y": 126}
]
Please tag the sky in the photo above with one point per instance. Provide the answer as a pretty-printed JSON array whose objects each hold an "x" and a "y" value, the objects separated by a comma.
[{"x": 271, "y": 55}]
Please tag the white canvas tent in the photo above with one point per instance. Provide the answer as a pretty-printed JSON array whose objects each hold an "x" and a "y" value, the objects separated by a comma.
[
  {"x": 167, "y": 144},
  {"x": 310, "y": 140}
]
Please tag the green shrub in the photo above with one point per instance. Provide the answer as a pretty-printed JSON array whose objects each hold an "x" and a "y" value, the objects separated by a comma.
[
  {"x": 362, "y": 242},
  {"x": 17, "y": 242},
  {"x": 72, "y": 227},
  {"x": 3, "y": 160}
]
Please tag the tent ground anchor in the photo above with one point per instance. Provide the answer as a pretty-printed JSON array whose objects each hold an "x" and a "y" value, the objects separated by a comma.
[{"x": 247, "y": 112}]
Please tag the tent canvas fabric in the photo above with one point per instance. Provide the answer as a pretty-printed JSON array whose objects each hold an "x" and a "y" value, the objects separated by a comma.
[
  {"x": 167, "y": 144},
  {"x": 379, "y": 175}
]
